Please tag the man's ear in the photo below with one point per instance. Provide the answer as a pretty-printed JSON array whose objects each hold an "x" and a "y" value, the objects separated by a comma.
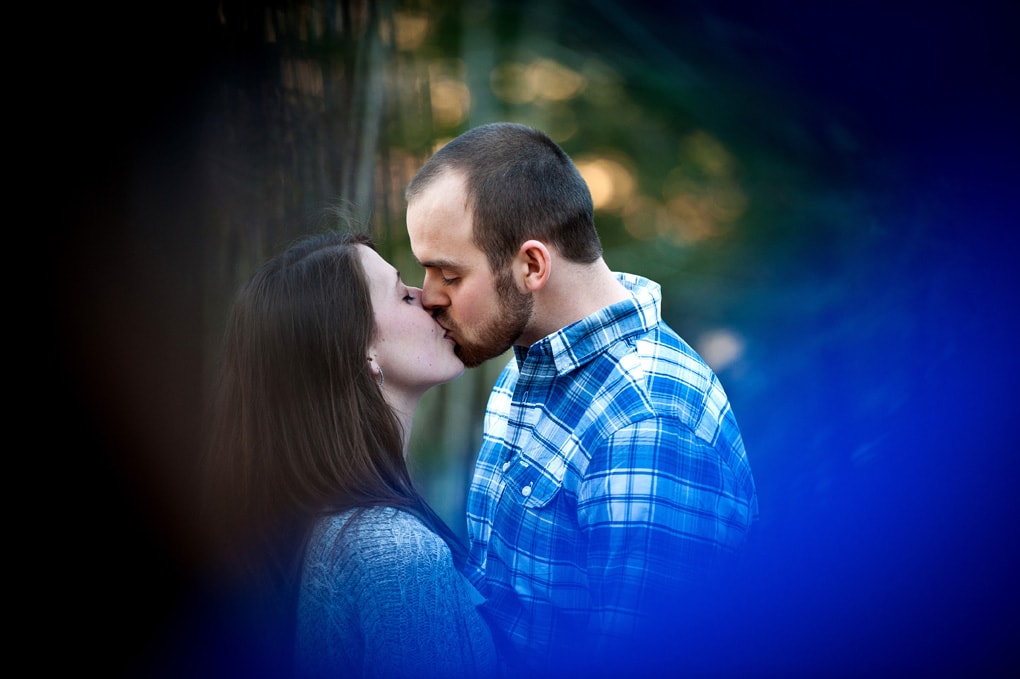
[{"x": 533, "y": 265}]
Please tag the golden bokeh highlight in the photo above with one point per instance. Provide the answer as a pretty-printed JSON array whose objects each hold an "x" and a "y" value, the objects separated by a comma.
[
  {"x": 611, "y": 182},
  {"x": 701, "y": 193},
  {"x": 552, "y": 81},
  {"x": 450, "y": 96},
  {"x": 409, "y": 30},
  {"x": 542, "y": 80}
]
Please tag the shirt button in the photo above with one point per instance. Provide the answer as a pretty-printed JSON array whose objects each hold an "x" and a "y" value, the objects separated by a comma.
[
  {"x": 526, "y": 490},
  {"x": 506, "y": 466}
]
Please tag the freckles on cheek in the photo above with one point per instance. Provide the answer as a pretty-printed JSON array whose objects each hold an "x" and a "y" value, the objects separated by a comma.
[{"x": 423, "y": 361}]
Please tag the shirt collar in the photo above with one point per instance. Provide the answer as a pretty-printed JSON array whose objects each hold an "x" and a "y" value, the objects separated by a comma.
[{"x": 578, "y": 342}]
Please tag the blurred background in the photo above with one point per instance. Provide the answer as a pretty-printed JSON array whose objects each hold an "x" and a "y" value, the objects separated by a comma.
[{"x": 825, "y": 191}]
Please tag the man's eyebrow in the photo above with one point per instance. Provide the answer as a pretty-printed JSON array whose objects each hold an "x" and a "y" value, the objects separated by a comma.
[{"x": 438, "y": 264}]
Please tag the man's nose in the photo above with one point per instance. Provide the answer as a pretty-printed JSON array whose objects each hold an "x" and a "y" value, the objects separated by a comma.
[{"x": 432, "y": 296}]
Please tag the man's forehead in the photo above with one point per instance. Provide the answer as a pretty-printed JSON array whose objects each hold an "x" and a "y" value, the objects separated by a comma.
[
  {"x": 443, "y": 199},
  {"x": 440, "y": 230}
]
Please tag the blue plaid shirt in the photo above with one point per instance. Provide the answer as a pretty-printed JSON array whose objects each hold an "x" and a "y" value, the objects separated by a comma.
[{"x": 611, "y": 466}]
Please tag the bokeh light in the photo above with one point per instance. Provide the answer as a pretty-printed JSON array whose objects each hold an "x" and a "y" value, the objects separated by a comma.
[{"x": 611, "y": 183}]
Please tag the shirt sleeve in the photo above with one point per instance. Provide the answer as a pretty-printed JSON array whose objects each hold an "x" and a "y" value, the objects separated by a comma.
[{"x": 659, "y": 507}]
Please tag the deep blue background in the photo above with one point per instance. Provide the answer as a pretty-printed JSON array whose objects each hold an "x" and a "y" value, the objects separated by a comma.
[{"x": 910, "y": 561}]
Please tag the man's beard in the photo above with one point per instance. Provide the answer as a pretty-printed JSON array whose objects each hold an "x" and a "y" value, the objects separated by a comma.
[{"x": 512, "y": 317}]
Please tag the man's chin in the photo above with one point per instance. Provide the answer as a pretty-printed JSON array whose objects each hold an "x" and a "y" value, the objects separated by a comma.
[
  {"x": 472, "y": 357},
  {"x": 469, "y": 359}
]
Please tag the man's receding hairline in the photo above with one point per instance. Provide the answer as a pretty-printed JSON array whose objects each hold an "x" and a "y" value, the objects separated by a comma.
[
  {"x": 420, "y": 185},
  {"x": 448, "y": 171}
]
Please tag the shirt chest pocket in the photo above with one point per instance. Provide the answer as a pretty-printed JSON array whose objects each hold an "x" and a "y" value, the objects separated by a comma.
[{"x": 527, "y": 485}]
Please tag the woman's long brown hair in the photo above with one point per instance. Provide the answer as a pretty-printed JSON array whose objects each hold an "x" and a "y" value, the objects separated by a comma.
[{"x": 300, "y": 427}]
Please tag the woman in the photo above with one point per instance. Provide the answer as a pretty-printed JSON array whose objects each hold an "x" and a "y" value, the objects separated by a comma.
[{"x": 327, "y": 354}]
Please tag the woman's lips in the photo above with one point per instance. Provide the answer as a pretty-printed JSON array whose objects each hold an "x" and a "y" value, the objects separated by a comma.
[{"x": 446, "y": 333}]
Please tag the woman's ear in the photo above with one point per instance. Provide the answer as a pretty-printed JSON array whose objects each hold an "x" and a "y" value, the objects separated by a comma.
[
  {"x": 376, "y": 371},
  {"x": 534, "y": 265}
]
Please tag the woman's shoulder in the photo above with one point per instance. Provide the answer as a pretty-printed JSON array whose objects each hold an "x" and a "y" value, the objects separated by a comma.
[
  {"x": 374, "y": 522},
  {"x": 383, "y": 537}
]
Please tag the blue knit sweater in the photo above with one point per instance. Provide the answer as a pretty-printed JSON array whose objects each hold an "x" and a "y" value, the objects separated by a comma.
[{"x": 384, "y": 599}]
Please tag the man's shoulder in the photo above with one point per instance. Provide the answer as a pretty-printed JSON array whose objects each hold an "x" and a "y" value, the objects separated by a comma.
[
  {"x": 662, "y": 351},
  {"x": 651, "y": 376}
]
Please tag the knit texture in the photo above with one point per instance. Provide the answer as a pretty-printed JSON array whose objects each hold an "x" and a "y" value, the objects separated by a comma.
[{"x": 383, "y": 599}]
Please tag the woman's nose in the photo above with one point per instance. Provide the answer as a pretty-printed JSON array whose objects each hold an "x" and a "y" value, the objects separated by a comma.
[{"x": 417, "y": 293}]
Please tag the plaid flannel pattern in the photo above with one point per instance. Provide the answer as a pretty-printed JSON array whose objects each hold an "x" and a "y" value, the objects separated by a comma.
[{"x": 611, "y": 466}]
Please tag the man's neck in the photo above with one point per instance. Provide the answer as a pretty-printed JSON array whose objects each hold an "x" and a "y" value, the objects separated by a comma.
[{"x": 574, "y": 291}]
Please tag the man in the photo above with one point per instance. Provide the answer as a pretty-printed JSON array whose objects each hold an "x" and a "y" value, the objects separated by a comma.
[{"x": 612, "y": 475}]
